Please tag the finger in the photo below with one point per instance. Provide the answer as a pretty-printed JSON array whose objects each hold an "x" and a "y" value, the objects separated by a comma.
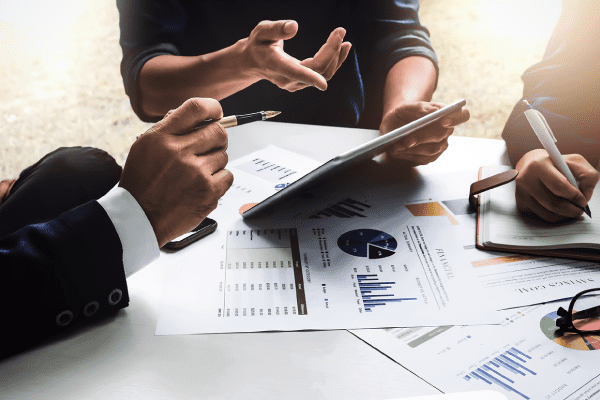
[
  {"x": 345, "y": 50},
  {"x": 552, "y": 202},
  {"x": 421, "y": 150},
  {"x": 433, "y": 135},
  {"x": 294, "y": 71},
  {"x": 329, "y": 52},
  {"x": 560, "y": 186},
  {"x": 212, "y": 161},
  {"x": 207, "y": 139},
  {"x": 222, "y": 181},
  {"x": 584, "y": 173},
  {"x": 456, "y": 118},
  {"x": 189, "y": 115},
  {"x": 272, "y": 31},
  {"x": 534, "y": 208}
]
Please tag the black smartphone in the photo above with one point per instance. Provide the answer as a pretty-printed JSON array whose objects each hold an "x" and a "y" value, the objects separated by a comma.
[{"x": 205, "y": 228}]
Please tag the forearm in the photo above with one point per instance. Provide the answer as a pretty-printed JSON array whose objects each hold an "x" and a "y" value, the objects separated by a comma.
[
  {"x": 410, "y": 79},
  {"x": 167, "y": 81}
]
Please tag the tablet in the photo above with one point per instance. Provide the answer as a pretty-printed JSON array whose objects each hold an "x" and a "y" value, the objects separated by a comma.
[{"x": 337, "y": 164}]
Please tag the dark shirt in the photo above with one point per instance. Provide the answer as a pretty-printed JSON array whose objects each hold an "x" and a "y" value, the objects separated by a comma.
[
  {"x": 381, "y": 32},
  {"x": 565, "y": 87}
]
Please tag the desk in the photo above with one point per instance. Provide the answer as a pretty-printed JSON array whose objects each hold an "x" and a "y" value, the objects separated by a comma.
[{"x": 121, "y": 358}]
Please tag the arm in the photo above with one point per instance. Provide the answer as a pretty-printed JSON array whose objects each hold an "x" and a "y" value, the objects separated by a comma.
[
  {"x": 160, "y": 72},
  {"x": 59, "y": 274},
  {"x": 72, "y": 269},
  {"x": 167, "y": 81},
  {"x": 407, "y": 96}
]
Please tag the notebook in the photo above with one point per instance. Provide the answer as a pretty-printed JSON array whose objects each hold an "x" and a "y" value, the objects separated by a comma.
[{"x": 501, "y": 227}]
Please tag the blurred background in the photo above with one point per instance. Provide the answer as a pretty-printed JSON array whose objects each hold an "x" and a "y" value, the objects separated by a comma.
[{"x": 61, "y": 86}]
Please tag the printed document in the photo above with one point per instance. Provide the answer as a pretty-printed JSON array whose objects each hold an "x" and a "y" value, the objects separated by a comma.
[{"x": 525, "y": 357}]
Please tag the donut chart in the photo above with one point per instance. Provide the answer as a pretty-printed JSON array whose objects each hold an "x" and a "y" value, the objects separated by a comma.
[{"x": 368, "y": 243}]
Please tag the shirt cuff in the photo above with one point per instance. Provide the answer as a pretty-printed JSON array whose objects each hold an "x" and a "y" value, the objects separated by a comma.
[{"x": 139, "y": 243}]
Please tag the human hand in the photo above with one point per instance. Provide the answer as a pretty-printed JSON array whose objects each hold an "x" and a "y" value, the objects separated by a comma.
[
  {"x": 426, "y": 144},
  {"x": 267, "y": 60},
  {"x": 177, "y": 177},
  {"x": 5, "y": 187},
  {"x": 543, "y": 191}
]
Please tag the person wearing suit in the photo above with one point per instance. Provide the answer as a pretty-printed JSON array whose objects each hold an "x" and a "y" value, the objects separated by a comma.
[{"x": 75, "y": 225}]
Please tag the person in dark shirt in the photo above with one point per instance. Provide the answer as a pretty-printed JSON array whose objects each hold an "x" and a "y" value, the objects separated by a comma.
[
  {"x": 382, "y": 77},
  {"x": 565, "y": 87}
]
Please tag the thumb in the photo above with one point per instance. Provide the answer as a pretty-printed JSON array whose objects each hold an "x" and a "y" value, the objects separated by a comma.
[{"x": 267, "y": 31}]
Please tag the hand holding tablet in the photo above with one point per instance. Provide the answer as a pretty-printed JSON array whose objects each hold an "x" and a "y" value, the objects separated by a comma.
[{"x": 354, "y": 156}]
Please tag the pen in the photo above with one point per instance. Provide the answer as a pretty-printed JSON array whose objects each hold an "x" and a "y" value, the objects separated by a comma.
[
  {"x": 235, "y": 120},
  {"x": 545, "y": 135}
]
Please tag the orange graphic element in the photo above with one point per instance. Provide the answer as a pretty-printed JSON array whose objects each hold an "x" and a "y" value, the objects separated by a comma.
[
  {"x": 501, "y": 260},
  {"x": 433, "y": 209},
  {"x": 575, "y": 341},
  {"x": 246, "y": 207}
]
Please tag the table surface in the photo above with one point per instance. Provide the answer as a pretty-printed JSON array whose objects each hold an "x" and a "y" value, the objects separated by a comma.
[{"x": 122, "y": 358}]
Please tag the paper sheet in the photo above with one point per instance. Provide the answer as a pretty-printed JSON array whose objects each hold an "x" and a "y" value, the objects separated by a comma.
[
  {"x": 347, "y": 265},
  {"x": 524, "y": 358}
]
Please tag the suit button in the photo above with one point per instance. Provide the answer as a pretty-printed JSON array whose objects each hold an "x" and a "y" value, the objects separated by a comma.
[
  {"x": 91, "y": 308},
  {"x": 114, "y": 297},
  {"x": 64, "y": 318}
]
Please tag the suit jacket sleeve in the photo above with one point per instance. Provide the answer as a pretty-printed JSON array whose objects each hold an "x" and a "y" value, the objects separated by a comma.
[{"x": 57, "y": 274}]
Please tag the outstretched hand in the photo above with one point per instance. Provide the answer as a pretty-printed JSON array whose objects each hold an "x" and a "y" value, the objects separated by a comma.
[
  {"x": 426, "y": 144},
  {"x": 264, "y": 52},
  {"x": 176, "y": 173},
  {"x": 543, "y": 191}
]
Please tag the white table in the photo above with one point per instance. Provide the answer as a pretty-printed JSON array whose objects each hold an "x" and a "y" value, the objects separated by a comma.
[{"x": 122, "y": 359}]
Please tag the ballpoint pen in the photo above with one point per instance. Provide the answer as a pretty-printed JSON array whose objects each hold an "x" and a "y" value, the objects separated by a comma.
[{"x": 545, "y": 135}]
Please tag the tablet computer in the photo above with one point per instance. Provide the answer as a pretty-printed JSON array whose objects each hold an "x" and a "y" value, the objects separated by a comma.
[{"x": 351, "y": 157}]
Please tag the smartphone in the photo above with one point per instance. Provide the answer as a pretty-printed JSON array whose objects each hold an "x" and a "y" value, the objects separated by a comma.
[{"x": 205, "y": 228}]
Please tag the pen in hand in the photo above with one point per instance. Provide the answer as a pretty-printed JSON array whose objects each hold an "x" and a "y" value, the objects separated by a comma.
[
  {"x": 235, "y": 120},
  {"x": 545, "y": 135}
]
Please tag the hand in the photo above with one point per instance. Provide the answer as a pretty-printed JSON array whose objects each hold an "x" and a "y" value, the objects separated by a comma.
[
  {"x": 427, "y": 144},
  {"x": 5, "y": 187},
  {"x": 543, "y": 191},
  {"x": 177, "y": 177},
  {"x": 264, "y": 50}
]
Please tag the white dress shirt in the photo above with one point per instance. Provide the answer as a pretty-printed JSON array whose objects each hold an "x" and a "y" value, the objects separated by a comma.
[{"x": 138, "y": 240}]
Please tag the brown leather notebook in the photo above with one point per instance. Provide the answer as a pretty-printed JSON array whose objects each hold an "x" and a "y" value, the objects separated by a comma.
[{"x": 501, "y": 227}]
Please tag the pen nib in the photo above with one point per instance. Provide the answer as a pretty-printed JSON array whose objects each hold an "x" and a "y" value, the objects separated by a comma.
[{"x": 271, "y": 114}]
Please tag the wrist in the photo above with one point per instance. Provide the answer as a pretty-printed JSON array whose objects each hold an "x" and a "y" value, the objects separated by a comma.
[{"x": 245, "y": 63}]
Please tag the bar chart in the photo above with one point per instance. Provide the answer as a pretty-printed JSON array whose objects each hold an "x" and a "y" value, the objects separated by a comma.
[
  {"x": 373, "y": 292},
  {"x": 500, "y": 370}
]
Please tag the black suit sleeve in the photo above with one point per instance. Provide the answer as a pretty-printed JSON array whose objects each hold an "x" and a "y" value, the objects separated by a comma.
[{"x": 57, "y": 274}]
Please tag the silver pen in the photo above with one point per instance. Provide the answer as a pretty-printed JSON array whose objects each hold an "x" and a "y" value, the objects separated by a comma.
[{"x": 544, "y": 133}]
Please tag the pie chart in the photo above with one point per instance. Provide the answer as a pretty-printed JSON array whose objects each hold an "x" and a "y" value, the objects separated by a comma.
[
  {"x": 570, "y": 340},
  {"x": 368, "y": 243}
]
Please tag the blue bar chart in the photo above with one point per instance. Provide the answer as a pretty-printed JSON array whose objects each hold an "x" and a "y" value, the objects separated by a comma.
[
  {"x": 373, "y": 292},
  {"x": 501, "y": 369}
]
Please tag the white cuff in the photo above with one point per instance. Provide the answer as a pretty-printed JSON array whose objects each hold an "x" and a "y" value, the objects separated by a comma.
[{"x": 139, "y": 243}]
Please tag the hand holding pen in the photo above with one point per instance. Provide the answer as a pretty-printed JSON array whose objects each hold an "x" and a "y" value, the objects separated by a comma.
[{"x": 550, "y": 185}]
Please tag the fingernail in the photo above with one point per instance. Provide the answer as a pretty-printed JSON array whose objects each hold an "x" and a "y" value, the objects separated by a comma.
[
  {"x": 288, "y": 27},
  {"x": 446, "y": 122}
]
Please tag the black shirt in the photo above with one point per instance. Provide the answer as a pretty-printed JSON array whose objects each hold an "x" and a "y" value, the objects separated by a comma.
[{"x": 381, "y": 32}]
